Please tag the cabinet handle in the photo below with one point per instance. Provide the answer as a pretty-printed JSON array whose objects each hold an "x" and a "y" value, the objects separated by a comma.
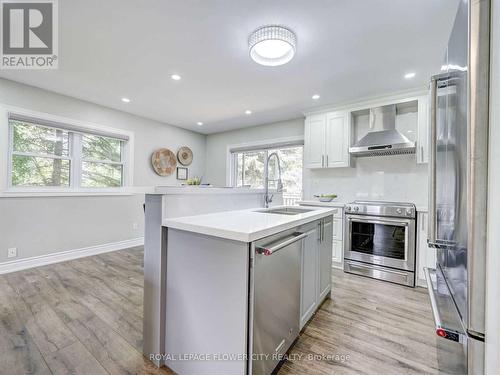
[
  {"x": 422, "y": 154},
  {"x": 327, "y": 160},
  {"x": 322, "y": 160}
]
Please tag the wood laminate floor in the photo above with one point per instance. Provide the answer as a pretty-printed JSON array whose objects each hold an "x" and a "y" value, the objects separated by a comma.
[{"x": 85, "y": 317}]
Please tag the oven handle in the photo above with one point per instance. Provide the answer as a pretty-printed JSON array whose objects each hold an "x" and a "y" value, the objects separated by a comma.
[{"x": 367, "y": 219}]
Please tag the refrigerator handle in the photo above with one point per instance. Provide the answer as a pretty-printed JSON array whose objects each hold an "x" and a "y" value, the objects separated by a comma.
[
  {"x": 432, "y": 163},
  {"x": 478, "y": 131}
]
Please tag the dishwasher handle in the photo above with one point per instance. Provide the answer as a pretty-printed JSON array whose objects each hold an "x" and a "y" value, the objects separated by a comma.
[{"x": 269, "y": 250}]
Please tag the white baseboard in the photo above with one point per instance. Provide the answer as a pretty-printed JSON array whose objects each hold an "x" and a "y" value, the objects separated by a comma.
[
  {"x": 62, "y": 256},
  {"x": 338, "y": 265},
  {"x": 421, "y": 283}
]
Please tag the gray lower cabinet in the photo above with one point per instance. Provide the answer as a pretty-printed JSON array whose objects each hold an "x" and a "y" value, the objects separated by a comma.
[
  {"x": 316, "y": 265},
  {"x": 325, "y": 258},
  {"x": 309, "y": 260}
]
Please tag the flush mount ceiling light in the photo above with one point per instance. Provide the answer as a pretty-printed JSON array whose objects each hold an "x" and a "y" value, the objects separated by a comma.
[
  {"x": 410, "y": 75},
  {"x": 248, "y": 112},
  {"x": 272, "y": 45},
  {"x": 199, "y": 123},
  {"x": 315, "y": 97},
  {"x": 126, "y": 100},
  {"x": 175, "y": 77}
]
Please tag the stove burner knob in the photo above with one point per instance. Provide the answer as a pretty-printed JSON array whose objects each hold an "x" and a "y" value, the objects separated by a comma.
[
  {"x": 348, "y": 208},
  {"x": 356, "y": 208},
  {"x": 399, "y": 211},
  {"x": 409, "y": 212}
]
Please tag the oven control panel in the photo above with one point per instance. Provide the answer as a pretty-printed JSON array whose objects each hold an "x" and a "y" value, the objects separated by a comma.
[{"x": 382, "y": 209}]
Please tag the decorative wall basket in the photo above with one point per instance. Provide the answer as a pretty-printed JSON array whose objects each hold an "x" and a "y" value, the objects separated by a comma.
[
  {"x": 164, "y": 162},
  {"x": 185, "y": 155}
]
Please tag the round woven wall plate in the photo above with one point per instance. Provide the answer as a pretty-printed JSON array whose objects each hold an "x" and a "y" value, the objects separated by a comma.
[
  {"x": 164, "y": 162},
  {"x": 185, "y": 155}
]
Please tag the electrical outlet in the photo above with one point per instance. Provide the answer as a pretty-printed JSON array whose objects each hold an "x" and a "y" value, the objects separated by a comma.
[
  {"x": 135, "y": 226},
  {"x": 12, "y": 252}
]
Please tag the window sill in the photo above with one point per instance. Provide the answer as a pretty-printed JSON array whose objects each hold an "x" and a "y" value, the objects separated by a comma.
[{"x": 78, "y": 193}]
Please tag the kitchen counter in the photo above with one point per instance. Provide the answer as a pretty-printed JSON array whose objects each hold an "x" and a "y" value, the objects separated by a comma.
[
  {"x": 168, "y": 202},
  {"x": 334, "y": 203},
  {"x": 196, "y": 190},
  {"x": 245, "y": 225}
]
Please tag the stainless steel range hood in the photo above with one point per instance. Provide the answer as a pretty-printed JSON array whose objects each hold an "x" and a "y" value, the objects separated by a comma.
[{"x": 383, "y": 138}]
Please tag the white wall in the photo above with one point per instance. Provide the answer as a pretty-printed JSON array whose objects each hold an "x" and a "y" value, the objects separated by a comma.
[
  {"x": 493, "y": 245},
  {"x": 39, "y": 226},
  {"x": 217, "y": 144}
]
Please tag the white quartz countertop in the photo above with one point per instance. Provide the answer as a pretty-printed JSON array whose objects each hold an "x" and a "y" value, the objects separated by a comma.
[
  {"x": 333, "y": 203},
  {"x": 204, "y": 190},
  {"x": 245, "y": 225}
]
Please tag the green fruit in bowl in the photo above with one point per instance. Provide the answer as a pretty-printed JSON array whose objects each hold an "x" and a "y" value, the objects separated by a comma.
[
  {"x": 194, "y": 181},
  {"x": 326, "y": 197}
]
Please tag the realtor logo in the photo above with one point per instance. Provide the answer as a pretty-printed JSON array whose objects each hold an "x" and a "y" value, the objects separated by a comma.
[{"x": 29, "y": 34}]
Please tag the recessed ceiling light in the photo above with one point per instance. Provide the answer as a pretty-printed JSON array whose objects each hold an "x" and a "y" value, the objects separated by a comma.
[
  {"x": 126, "y": 100},
  {"x": 409, "y": 75},
  {"x": 315, "y": 97},
  {"x": 272, "y": 45},
  {"x": 248, "y": 112},
  {"x": 199, "y": 123},
  {"x": 175, "y": 77}
]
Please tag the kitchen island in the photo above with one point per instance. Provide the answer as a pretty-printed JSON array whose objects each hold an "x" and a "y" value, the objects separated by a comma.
[
  {"x": 170, "y": 202},
  {"x": 240, "y": 285}
]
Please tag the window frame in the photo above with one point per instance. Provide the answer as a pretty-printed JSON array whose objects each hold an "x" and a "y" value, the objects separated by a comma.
[
  {"x": 76, "y": 130},
  {"x": 233, "y": 150}
]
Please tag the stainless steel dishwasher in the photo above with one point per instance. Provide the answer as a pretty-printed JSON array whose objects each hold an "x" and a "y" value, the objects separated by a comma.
[{"x": 275, "y": 299}]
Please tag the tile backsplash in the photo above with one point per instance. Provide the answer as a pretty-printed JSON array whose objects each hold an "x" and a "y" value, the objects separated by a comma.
[{"x": 388, "y": 178}]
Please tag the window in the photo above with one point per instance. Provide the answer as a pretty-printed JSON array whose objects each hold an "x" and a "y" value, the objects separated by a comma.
[
  {"x": 249, "y": 169},
  {"x": 48, "y": 155},
  {"x": 40, "y": 155},
  {"x": 101, "y": 161}
]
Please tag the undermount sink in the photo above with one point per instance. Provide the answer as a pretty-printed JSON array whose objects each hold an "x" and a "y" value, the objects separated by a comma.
[{"x": 285, "y": 210}]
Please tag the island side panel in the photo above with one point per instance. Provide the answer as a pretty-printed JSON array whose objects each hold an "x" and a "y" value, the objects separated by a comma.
[
  {"x": 154, "y": 279},
  {"x": 206, "y": 302}
]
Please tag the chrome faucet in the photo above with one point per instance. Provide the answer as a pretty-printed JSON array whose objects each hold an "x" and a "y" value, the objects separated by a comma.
[{"x": 268, "y": 198}]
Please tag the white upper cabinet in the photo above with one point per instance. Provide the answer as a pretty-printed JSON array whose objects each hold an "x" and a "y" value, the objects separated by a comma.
[
  {"x": 337, "y": 140},
  {"x": 314, "y": 142},
  {"x": 326, "y": 140}
]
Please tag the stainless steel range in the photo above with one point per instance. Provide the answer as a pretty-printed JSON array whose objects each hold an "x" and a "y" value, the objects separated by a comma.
[{"x": 380, "y": 240}]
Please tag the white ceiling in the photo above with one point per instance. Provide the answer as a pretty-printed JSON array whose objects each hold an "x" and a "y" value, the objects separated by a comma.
[{"x": 347, "y": 49}]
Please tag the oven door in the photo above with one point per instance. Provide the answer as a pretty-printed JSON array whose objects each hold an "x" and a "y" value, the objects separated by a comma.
[{"x": 384, "y": 241}]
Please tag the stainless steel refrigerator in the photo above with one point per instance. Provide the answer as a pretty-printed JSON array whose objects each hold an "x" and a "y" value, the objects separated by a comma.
[{"x": 457, "y": 192}]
